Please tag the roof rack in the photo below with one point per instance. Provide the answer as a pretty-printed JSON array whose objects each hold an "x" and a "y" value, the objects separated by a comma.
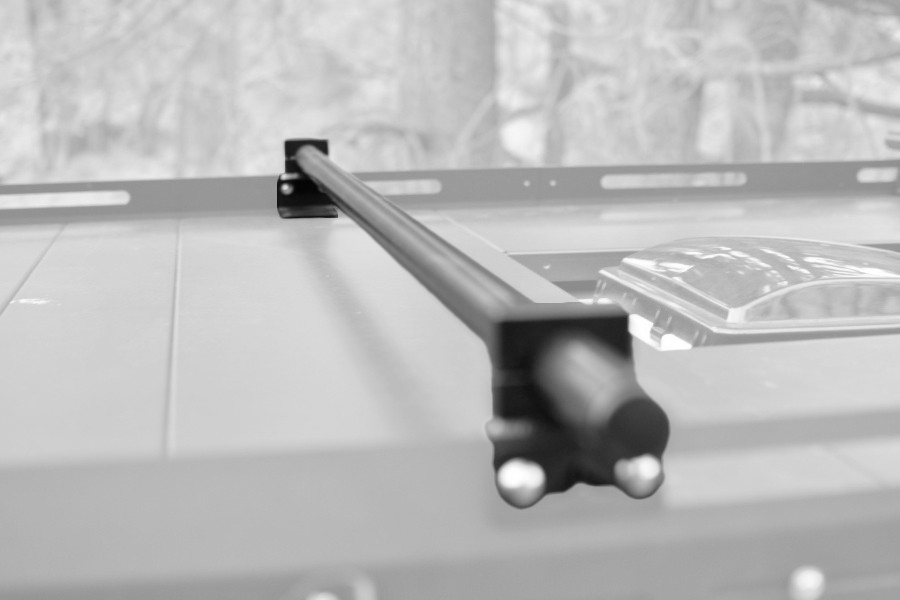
[{"x": 567, "y": 407}]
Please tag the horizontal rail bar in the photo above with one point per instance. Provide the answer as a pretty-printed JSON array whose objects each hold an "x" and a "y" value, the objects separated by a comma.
[
  {"x": 474, "y": 187},
  {"x": 653, "y": 183}
]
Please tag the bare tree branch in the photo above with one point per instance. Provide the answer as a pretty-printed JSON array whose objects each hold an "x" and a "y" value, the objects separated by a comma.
[
  {"x": 703, "y": 71},
  {"x": 871, "y": 7},
  {"x": 840, "y": 98},
  {"x": 799, "y": 67}
]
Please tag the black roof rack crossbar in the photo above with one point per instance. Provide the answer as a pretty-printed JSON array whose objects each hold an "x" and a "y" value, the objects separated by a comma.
[{"x": 567, "y": 407}]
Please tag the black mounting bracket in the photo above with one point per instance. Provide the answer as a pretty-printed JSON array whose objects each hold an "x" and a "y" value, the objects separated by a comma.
[
  {"x": 573, "y": 439},
  {"x": 298, "y": 195}
]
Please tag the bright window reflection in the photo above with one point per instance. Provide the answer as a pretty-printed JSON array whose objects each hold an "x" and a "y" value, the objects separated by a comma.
[{"x": 106, "y": 89}]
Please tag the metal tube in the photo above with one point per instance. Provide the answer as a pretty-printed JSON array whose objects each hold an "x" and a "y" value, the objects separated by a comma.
[{"x": 473, "y": 294}]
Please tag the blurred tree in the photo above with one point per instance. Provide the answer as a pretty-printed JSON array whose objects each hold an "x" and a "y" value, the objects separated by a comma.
[
  {"x": 447, "y": 80},
  {"x": 147, "y": 88},
  {"x": 666, "y": 98},
  {"x": 560, "y": 82},
  {"x": 56, "y": 109},
  {"x": 208, "y": 92},
  {"x": 753, "y": 34},
  {"x": 20, "y": 122}
]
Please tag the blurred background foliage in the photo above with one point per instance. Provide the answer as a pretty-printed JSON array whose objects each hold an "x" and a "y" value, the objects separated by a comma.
[{"x": 111, "y": 89}]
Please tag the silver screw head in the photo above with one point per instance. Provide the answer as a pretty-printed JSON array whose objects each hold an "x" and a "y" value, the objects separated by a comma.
[
  {"x": 639, "y": 476},
  {"x": 807, "y": 583},
  {"x": 521, "y": 482},
  {"x": 323, "y": 596},
  {"x": 286, "y": 188}
]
